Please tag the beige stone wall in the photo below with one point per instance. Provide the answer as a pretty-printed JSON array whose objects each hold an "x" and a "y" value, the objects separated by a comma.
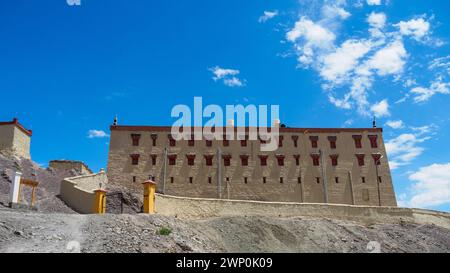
[
  {"x": 200, "y": 208},
  {"x": 14, "y": 140},
  {"x": 78, "y": 192},
  {"x": 68, "y": 165},
  {"x": 121, "y": 171}
]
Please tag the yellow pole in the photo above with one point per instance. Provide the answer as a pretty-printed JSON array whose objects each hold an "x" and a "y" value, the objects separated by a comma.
[
  {"x": 149, "y": 196},
  {"x": 100, "y": 201}
]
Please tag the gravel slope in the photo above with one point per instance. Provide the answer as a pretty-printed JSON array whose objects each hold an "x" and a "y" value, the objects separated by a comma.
[{"x": 22, "y": 231}]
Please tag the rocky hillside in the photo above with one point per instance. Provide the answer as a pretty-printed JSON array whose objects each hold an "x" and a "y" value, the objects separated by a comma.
[{"x": 44, "y": 232}]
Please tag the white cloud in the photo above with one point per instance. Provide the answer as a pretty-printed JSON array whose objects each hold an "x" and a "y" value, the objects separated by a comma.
[
  {"x": 233, "y": 82},
  {"x": 389, "y": 60},
  {"x": 403, "y": 149},
  {"x": 417, "y": 28},
  {"x": 227, "y": 75},
  {"x": 377, "y": 20},
  {"x": 267, "y": 16},
  {"x": 431, "y": 186},
  {"x": 334, "y": 11},
  {"x": 373, "y": 2},
  {"x": 395, "y": 124},
  {"x": 380, "y": 109},
  {"x": 97, "y": 134},
  {"x": 312, "y": 36},
  {"x": 339, "y": 63},
  {"x": 423, "y": 94},
  {"x": 442, "y": 63}
]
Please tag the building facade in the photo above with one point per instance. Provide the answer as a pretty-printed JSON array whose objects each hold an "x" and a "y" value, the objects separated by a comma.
[
  {"x": 15, "y": 139},
  {"x": 69, "y": 165},
  {"x": 340, "y": 166}
]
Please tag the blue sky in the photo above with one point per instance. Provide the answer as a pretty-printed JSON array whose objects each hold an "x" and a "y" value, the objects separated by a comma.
[{"x": 66, "y": 70}]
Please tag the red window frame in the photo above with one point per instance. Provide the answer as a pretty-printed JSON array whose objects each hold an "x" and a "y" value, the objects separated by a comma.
[
  {"x": 376, "y": 159},
  {"x": 154, "y": 137},
  {"x": 314, "y": 141},
  {"x": 332, "y": 140},
  {"x": 297, "y": 160},
  {"x": 315, "y": 159},
  {"x": 135, "y": 139},
  {"x": 358, "y": 143},
  {"x": 208, "y": 159},
  {"x": 172, "y": 142},
  {"x": 360, "y": 158},
  {"x": 172, "y": 159},
  {"x": 280, "y": 141},
  {"x": 280, "y": 160},
  {"x": 373, "y": 141},
  {"x": 295, "y": 140},
  {"x": 191, "y": 159},
  {"x": 191, "y": 141},
  {"x": 263, "y": 160},
  {"x": 226, "y": 142},
  {"x": 135, "y": 159},
  {"x": 244, "y": 160},
  {"x": 153, "y": 157},
  {"x": 226, "y": 160},
  {"x": 334, "y": 160}
]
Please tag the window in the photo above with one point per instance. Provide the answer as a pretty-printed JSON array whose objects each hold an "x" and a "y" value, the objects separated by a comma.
[
  {"x": 263, "y": 160},
  {"x": 332, "y": 140},
  {"x": 153, "y": 157},
  {"x": 377, "y": 159},
  {"x": 208, "y": 159},
  {"x": 226, "y": 160},
  {"x": 135, "y": 138},
  {"x": 316, "y": 159},
  {"x": 226, "y": 142},
  {"x": 134, "y": 159},
  {"x": 299, "y": 180},
  {"x": 281, "y": 180},
  {"x": 295, "y": 140},
  {"x": 245, "y": 180},
  {"x": 244, "y": 160},
  {"x": 191, "y": 159},
  {"x": 208, "y": 143},
  {"x": 280, "y": 141},
  {"x": 379, "y": 179},
  {"x": 151, "y": 177},
  {"x": 209, "y": 179},
  {"x": 318, "y": 180},
  {"x": 172, "y": 159},
  {"x": 191, "y": 179},
  {"x": 154, "y": 137},
  {"x": 243, "y": 139},
  {"x": 280, "y": 160},
  {"x": 363, "y": 180},
  {"x": 297, "y": 160},
  {"x": 314, "y": 140},
  {"x": 334, "y": 160},
  {"x": 172, "y": 141},
  {"x": 373, "y": 141},
  {"x": 134, "y": 179},
  {"x": 357, "y": 139},
  {"x": 264, "y": 180},
  {"x": 171, "y": 180},
  {"x": 336, "y": 179},
  {"x": 360, "y": 158},
  {"x": 191, "y": 141}
]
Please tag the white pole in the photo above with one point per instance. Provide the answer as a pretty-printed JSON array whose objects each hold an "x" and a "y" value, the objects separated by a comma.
[{"x": 14, "y": 190}]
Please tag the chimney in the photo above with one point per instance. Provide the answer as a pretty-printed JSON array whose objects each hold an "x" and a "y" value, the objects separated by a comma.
[{"x": 374, "y": 122}]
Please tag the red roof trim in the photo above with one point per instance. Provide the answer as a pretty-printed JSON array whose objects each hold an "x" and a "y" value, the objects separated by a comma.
[
  {"x": 20, "y": 126},
  {"x": 282, "y": 130}
]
